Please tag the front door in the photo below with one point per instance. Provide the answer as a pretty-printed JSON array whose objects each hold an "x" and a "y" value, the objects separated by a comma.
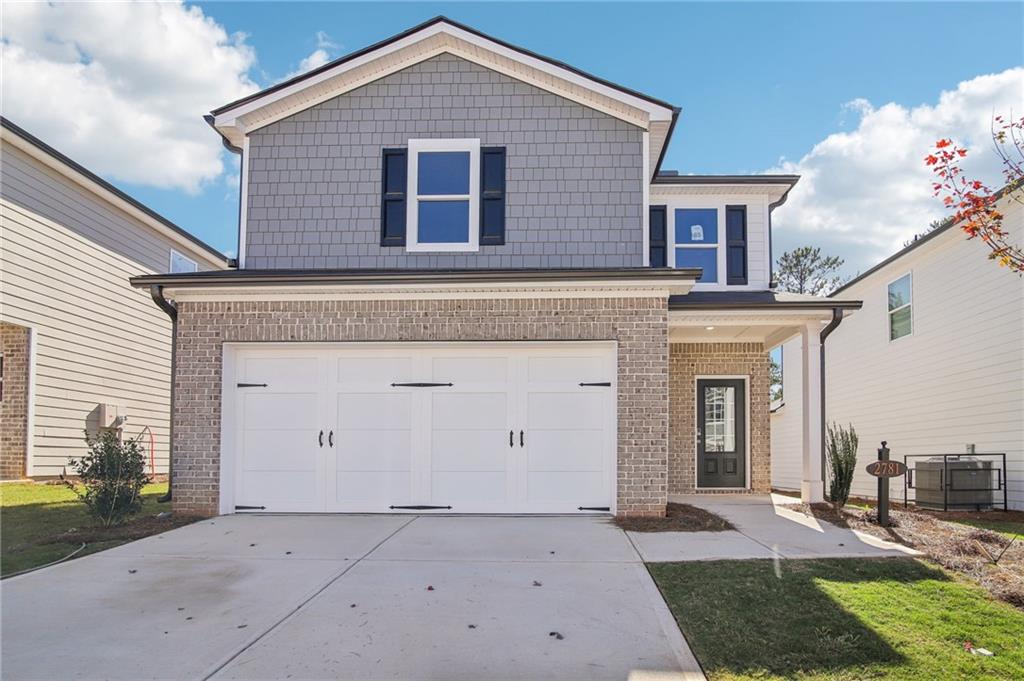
[{"x": 721, "y": 433}]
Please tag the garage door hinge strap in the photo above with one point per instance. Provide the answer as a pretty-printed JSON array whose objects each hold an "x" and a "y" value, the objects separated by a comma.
[
  {"x": 250, "y": 508},
  {"x": 593, "y": 508},
  {"x": 419, "y": 508},
  {"x": 605, "y": 384},
  {"x": 252, "y": 385},
  {"x": 420, "y": 385}
]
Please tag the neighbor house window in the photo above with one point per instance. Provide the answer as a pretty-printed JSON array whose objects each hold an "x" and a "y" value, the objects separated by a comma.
[
  {"x": 180, "y": 263},
  {"x": 901, "y": 318},
  {"x": 696, "y": 239},
  {"x": 443, "y": 212}
]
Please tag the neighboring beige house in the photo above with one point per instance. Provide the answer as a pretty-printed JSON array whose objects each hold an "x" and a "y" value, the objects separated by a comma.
[
  {"x": 936, "y": 369},
  {"x": 81, "y": 349}
]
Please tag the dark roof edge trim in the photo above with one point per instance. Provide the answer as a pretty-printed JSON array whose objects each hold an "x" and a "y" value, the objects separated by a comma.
[
  {"x": 668, "y": 140},
  {"x": 726, "y": 179},
  {"x": 93, "y": 177},
  {"x": 948, "y": 224},
  {"x": 383, "y": 277},
  {"x": 788, "y": 305},
  {"x": 430, "y": 22}
]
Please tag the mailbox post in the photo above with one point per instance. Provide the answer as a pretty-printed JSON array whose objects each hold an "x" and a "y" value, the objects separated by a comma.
[{"x": 883, "y": 489}]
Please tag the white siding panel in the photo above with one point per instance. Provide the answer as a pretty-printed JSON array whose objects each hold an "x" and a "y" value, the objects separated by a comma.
[
  {"x": 957, "y": 380},
  {"x": 65, "y": 261}
]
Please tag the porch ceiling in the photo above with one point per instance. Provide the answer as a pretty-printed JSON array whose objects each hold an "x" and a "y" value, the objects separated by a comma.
[{"x": 771, "y": 327}]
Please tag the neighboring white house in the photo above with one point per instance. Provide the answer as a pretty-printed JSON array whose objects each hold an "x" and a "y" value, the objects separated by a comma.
[
  {"x": 938, "y": 370},
  {"x": 79, "y": 347}
]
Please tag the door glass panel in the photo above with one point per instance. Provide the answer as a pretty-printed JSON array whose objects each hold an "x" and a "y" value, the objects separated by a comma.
[{"x": 719, "y": 419}]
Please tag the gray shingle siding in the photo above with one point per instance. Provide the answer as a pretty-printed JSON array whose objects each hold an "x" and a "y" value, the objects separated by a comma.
[{"x": 574, "y": 175}]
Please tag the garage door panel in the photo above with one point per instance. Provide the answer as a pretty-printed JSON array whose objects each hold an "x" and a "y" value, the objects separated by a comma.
[
  {"x": 567, "y": 450},
  {"x": 457, "y": 488},
  {"x": 469, "y": 450},
  {"x": 561, "y": 369},
  {"x": 282, "y": 374},
  {"x": 469, "y": 370},
  {"x": 375, "y": 371},
  {"x": 583, "y": 489},
  {"x": 277, "y": 450},
  {"x": 469, "y": 411},
  {"x": 269, "y": 488},
  {"x": 371, "y": 411},
  {"x": 271, "y": 411},
  {"x": 376, "y": 489},
  {"x": 566, "y": 410},
  {"x": 374, "y": 450}
]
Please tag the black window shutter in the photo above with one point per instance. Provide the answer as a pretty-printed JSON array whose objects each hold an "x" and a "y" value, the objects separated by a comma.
[
  {"x": 392, "y": 200},
  {"x": 492, "y": 196},
  {"x": 735, "y": 245},
  {"x": 659, "y": 236}
]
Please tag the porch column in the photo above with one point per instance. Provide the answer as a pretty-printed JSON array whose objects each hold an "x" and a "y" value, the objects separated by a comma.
[{"x": 811, "y": 488}]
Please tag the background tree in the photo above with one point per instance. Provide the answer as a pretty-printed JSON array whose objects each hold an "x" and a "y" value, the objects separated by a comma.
[
  {"x": 775, "y": 376},
  {"x": 974, "y": 202},
  {"x": 804, "y": 270}
]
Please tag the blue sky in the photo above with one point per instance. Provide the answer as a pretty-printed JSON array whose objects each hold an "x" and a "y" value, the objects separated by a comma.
[{"x": 757, "y": 82}]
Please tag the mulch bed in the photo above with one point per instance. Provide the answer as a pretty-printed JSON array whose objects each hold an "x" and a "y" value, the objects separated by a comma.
[
  {"x": 137, "y": 528},
  {"x": 967, "y": 550},
  {"x": 678, "y": 518}
]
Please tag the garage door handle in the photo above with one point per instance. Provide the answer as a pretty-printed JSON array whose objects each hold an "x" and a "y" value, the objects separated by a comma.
[
  {"x": 421, "y": 385},
  {"x": 520, "y": 438},
  {"x": 510, "y": 436},
  {"x": 330, "y": 438},
  {"x": 321, "y": 438},
  {"x": 603, "y": 384}
]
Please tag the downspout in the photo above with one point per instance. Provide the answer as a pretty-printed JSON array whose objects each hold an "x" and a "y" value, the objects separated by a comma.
[
  {"x": 771, "y": 255},
  {"x": 156, "y": 291},
  {"x": 837, "y": 319}
]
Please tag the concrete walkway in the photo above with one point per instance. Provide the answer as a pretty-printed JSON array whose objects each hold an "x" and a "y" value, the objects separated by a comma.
[
  {"x": 350, "y": 597},
  {"x": 767, "y": 527}
]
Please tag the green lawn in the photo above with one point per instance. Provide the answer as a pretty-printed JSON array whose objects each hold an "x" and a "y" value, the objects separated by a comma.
[
  {"x": 32, "y": 515},
  {"x": 840, "y": 619},
  {"x": 1009, "y": 528}
]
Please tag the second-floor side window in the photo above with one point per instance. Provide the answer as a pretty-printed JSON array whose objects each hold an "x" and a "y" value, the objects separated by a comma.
[
  {"x": 696, "y": 239},
  {"x": 900, "y": 302},
  {"x": 180, "y": 263},
  {"x": 443, "y": 206}
]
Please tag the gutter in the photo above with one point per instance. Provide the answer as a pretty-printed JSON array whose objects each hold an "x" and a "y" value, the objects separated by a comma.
[
  {"x": 157, "y": 293},
  {"x": 837, "y": 319}
]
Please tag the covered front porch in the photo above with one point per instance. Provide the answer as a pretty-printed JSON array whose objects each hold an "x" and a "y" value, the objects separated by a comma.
[{"x": 720, "y": 425}]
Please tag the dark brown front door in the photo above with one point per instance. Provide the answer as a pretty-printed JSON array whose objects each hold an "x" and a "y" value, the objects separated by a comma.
[{"x": 721, "y": 433}]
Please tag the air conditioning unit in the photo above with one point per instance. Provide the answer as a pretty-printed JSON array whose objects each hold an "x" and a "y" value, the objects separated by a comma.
[{"x": 967, "y": 481}]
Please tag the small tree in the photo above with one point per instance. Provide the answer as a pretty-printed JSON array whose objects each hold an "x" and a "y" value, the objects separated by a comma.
[
  {"x": 841, "y": 451},
  {"x": 774, "y": 379},
  {"x": 973, "y": 201},
  {"x": 804, "y": 270},
  {"x": 112, "y": 474}
]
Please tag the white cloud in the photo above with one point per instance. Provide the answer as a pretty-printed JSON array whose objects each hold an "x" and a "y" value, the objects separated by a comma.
[
  {"x": 122, "y": 87},
  {"x": 865, "y": 192},
  {"x": 325, "y": 47}
]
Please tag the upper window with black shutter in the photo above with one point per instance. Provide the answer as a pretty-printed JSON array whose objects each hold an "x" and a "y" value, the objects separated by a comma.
[
  {"x": 735, "y": 245},
  {"x": 658, "y": 236},
  {"x": 443, "y": 207},
  {"x": 392, "y": 206},
  {"x": 492, "y": 196}
]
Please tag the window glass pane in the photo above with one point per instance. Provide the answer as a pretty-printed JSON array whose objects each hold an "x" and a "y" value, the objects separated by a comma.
[
  {"x": 443, "y": 222},
  {"x": 706, "y": 258},
  {"x": 900, "y": 323},
  {"x": 696, "y": 226},
  {"x": 719, "y": 419},
  {"x": 180, "y": 263},
  {"x": 443, "y": 172},
  {"x": 899, "y": 292}
]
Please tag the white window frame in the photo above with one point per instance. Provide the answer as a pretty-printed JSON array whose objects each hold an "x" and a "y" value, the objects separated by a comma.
[
  {"x": 889, "y": 313},
  {"x": 170, "y": 262},
  {"x": 719, "y": 209},
  {"x": 412, "y": 203}
]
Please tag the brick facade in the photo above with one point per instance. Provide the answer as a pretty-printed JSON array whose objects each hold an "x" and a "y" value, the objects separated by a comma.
[
  {"x": 574, "y": 194},
  {"x": 686, "y": 362},
  {"x": 14, "y": 405},
  {"x": 640, "y": 325}
]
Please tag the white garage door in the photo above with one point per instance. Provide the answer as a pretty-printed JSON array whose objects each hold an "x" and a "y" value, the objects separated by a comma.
[{"x": 464, "y": 428}]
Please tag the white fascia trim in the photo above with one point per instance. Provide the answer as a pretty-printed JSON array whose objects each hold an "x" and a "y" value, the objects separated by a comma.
[
  {"x": 753, "y": 317},
  {"x": 772, "y": 190},
  {"x": 645, "y": 216},
  {"x": 243, "y": 208},
  {"x": 517, "y": 290},
  {"x": 655, "y": 112},
  {"x": 30, "y": 399},
  {"x": 416, "y": 147},
  {"x": 109, "y": 197}
]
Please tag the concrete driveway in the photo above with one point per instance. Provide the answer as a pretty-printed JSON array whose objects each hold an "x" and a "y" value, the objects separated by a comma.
[{"x": 350, "y": 597}]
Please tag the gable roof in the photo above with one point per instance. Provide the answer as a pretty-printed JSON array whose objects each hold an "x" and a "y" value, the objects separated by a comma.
[
  {"x": 41, "y": 150},
  {"x": 436, "y": 36}
]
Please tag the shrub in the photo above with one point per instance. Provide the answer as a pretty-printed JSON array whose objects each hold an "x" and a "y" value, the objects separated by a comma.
[
  {"x": 841, "y": 450},
  {"x": 112, "y": 474}
]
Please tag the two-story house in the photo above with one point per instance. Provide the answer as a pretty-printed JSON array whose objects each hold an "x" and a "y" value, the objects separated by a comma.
[{"x": 465, "y": 284}]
